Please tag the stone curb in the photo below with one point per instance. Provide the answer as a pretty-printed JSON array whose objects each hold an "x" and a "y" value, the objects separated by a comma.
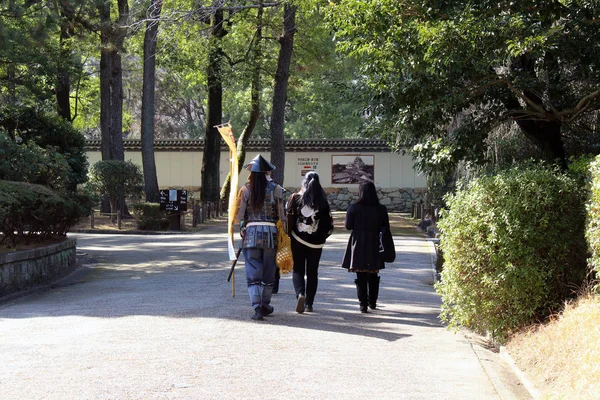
[
  {"x": 36, "y": 252},
  {"x": 505, "y": 354},
  {"x": 33, "y": 254},
  {"x": 433, "y": 256}
]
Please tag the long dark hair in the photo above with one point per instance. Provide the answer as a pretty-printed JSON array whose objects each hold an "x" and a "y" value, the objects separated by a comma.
[
  {"x": 367, "y": 194},
  {"x": 313, "y": 194},
  {"x": 258, "y": 185}
]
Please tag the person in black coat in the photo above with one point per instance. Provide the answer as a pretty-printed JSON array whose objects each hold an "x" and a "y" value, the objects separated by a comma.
[
  {"x": 310, "y": 223},
  {"x": 366, "y": 218}
]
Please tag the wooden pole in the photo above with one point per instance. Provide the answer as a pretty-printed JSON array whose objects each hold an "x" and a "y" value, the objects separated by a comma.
[{"x": 233, "y": 284}]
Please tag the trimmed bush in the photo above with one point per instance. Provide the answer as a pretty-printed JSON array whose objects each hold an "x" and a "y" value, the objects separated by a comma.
[
  {"x": 593, "y": 217},
  {"x": 150, "y": 217},
  {"x": 514, "y": 249},
  {"x": 33, "y": 211},
  {"x": 33, "y": 164},
  {"x": 44, "y": 128},
  {"x": 116, "y": 180}
]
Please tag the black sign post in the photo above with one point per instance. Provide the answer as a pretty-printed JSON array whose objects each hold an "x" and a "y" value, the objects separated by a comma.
[{"x": 174, "y": 201}]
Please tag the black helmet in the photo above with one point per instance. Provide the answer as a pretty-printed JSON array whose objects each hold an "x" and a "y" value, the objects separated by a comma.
[{"x": 259, "y": 164}]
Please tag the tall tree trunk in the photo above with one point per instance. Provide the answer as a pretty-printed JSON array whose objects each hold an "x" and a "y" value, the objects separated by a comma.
[
  {"x": 212, "y": 138},
  {"x": 147, "y": 134},
  {"x": 116, "y": 106},
  {"x": 282, "y": 76},
  {"x": 254, "y": 104},
  {"x": 546, "y": 135},
  {"x": 105, "y": 87},
  {"x": 112, "y": 37},
  {"x": 63, "y": 84}
]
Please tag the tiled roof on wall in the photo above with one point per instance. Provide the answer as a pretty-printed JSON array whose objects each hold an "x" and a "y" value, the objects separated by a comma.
[{"x": 371, "y": 145}]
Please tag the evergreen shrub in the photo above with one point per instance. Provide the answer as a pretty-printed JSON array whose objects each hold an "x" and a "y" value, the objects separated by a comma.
[
  {"x": 116, "y": 180},
  {"x": 514, "y": 249},
  {"x": 593, "y": 217},
  {"x": 150, "y": 217},
  {"x": 33, "y": 164},
  {"x": 35, "y": 212},
  {"x": 45, "y": 129}
]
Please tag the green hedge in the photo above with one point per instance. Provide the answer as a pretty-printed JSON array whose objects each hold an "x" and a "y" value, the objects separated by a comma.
[
  {"x": 514, "y": 249},
  {"x": 150, "y": 217},
  {"x": 593, "y": 217},
  {"x": 33, "y": 164},
  {"x": 34, "y": 211},
  {"x": 38, "y": 126}
]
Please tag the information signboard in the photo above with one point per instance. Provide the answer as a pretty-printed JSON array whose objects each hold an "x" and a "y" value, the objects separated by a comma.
[
  {"x": 307, "y": 164},
  {"x": 173, "y": 200}
]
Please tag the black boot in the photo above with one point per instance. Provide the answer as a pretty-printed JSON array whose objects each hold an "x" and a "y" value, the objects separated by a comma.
[
  {"x": 363, "y": 297},
  {"x": 373, "y": 291},
  {"x": 258, "y": 314}
]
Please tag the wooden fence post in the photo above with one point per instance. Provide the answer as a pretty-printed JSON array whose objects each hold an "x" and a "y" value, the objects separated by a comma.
[
  {"x": 119, "y": 219},
  {"x": 195, "y": 213},
  {"x": 92, "y": 219}
]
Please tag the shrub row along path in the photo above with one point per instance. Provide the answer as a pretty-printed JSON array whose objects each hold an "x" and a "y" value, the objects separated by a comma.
[{"x": 152, "y": 317}]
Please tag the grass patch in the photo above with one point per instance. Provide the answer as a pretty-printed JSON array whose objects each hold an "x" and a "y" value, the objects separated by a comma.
[{"x": 562, "y": 357}]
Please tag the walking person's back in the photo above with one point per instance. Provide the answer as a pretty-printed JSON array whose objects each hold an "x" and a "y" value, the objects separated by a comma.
[
  {"x": 259, "y": 209},
  {"x": 366, "y": 218},
  {"x": 310, "y": 223}
]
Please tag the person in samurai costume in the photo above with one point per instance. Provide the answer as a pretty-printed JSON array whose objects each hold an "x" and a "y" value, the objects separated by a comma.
[{"x": 261, "y": 204}]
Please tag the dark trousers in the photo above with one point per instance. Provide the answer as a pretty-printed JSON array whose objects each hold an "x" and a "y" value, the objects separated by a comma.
[
  {"x": 367, "y": 288},
  {"x": 306, "y": 262}
]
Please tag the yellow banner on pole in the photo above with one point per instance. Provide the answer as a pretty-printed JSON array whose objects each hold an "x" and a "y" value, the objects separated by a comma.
[{"x": 227, "y": 135}]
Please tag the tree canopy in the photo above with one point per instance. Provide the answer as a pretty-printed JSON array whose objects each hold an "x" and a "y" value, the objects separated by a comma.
[
  {"x": 438, "y": 76},
  {"x": 444, "y": 80}
]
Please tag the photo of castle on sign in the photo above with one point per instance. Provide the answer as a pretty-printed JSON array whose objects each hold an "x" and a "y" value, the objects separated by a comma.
[{"x": 352, "y": 168}]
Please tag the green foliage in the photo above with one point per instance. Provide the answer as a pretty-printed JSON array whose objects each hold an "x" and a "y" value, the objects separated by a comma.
[
  {"x": 35, "y": 127},
  {"x": 35, "y": 212},
  {"x": 514, "y": 248},
  {"x": 28, "y": 51},
  {"x": 592, "y": 232},
  {"x": 116, "y": 180},
  {"x": 448, "y": 73},
  {"x": 579, "y": 168},
  {"x": 33, "y": 164},
  {"x": 150, "y": 217}
]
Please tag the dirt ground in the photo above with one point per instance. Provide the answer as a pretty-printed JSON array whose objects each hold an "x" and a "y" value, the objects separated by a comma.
[
  {"x": 102, "y": 223},
  {"x": 401, "y": 224}
]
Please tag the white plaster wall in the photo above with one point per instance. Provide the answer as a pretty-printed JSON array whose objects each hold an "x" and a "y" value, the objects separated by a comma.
[{"x": 183, "y": 168}]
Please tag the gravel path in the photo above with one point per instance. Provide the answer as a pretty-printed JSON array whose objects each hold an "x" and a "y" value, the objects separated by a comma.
[{"x": 151, "y": 317}]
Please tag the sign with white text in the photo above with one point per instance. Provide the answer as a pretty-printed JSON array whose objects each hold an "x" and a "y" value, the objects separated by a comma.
[{"x": 173, "y": 200}]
